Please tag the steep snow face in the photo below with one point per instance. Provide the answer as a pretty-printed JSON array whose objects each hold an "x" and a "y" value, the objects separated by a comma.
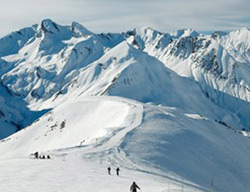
[
  {"x": 37, "y": 62},
  {"x": 238, "y": 44},
  {"x": 216, "y": 68},
  {"x": 220, "y": 61},
  {"x": 148, "y": 39},
  {"x": 52, "y": 36},
  {"x": 52, "y": 58},
  {"x": 13, "y": 42},
  {"x": 79, "y": 31}
]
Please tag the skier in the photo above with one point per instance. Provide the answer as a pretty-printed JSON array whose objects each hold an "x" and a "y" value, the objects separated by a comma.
[
  {"x": 134, "y": 187},
  {"x": 109, "y": 170},
  {"x": 48, "y": 157},
  {"x": 117, "y": 171},
  {"x": 36, "y": 155}
]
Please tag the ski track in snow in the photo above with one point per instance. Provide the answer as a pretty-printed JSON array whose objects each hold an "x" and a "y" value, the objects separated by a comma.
[
  {"x": 108, "y": 153},
  {"x": 83, "y": 168}
]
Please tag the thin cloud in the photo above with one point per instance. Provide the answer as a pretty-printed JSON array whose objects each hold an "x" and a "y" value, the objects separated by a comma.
[{"x": 119, "y": 15}]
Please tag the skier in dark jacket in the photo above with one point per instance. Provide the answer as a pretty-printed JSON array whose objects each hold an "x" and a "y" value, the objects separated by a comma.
[
  {"x": 134, "y": 187},
  {"x": 117, "y": 171},
  {"x": 36, "y": 155},
  {"x": 109, "y": 170}
]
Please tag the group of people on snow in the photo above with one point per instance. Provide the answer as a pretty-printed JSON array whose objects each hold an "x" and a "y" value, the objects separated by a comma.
[
  {"x": 117, "y": 171},
  {"x": 41, "y": 156},
  {"x": 133, "y": 187}
]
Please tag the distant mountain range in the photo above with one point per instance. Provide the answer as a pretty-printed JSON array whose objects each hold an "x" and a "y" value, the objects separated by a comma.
[{"x": 44, "y": 64}]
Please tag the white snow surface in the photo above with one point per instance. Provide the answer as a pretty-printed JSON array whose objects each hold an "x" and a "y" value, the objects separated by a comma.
[
  {"x": 160, "y": 147},
  {"x": 171, "y": 110}
]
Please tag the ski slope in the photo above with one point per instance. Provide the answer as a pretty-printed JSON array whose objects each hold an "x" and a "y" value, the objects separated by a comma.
[
  {"x": 72, "y": 124},
  {"x": 72, "y": 173},
  {"x": 159, "y": 147},
  {"x": 76, "y": 167}
]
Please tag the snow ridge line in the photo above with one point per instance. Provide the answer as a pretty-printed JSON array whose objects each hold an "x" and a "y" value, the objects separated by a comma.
[{"x": 114, "y": 140}]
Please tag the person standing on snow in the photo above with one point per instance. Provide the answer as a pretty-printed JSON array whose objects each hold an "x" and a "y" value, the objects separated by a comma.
[
  {"x": 109, "y": 170},
  {"x": 134, "y": 187},
  {"x": 117, "y": 171},
  {"x": 36, "y": 155}
]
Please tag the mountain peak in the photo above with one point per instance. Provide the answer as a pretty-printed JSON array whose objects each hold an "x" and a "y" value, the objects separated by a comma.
[
  {"x": 49, "y": 26},
  {"x": 78, "y": 30},
  {"x": 185, "y": 33},
  {"x": 145, "y": 30},
  {"x": 244, "y": 29},
  {"x": 218, "y": 34}
]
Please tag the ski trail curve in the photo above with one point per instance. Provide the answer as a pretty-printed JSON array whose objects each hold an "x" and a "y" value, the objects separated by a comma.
[{"x": 133, "y": 119}]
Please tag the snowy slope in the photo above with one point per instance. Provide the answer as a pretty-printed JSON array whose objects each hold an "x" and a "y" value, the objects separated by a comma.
[
  {"x": 54, "y": 57},
  {"x": 72, "y": 124},
  {"x": 124, "y": 71},
  {"x": 190, "y": 146},
  {"x": 167, "y": 108},
  {"x": 161, "y": 144},
  {"x": 220, "y": 61},
  {"x": 37, "y": 62}
]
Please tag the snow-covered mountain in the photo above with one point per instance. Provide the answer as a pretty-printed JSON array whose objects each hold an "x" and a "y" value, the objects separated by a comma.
[
  {"x": 171, "y": 105},
  {"x": 220, "y": 61}
]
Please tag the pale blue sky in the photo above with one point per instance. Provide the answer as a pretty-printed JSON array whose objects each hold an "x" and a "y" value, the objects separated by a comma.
[{"x": 122, "y": 15}]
